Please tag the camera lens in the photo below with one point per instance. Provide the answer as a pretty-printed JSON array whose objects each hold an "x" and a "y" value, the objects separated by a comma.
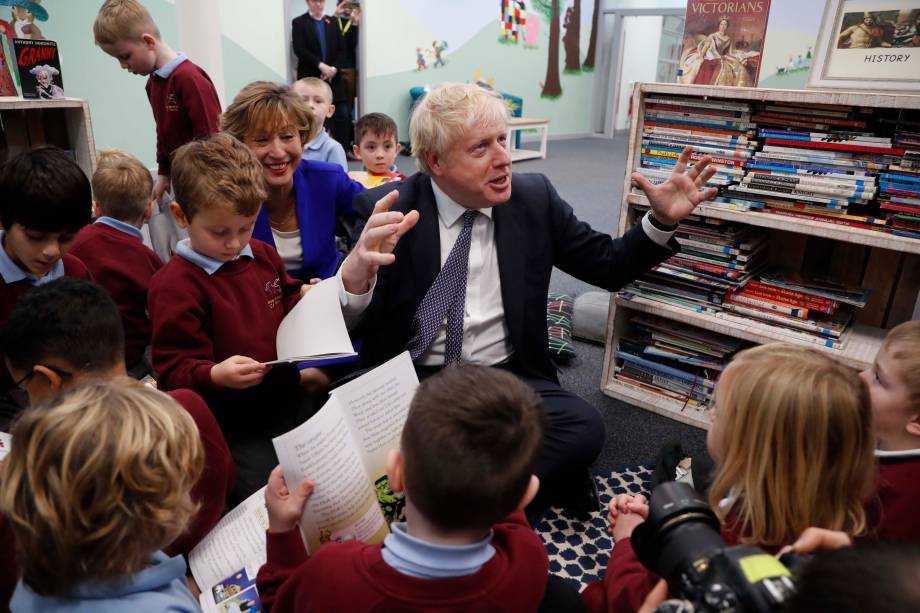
[{"x": 680, "y": 534}]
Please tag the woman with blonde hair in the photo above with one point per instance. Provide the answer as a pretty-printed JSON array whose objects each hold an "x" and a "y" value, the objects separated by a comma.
[
  {"x": 307, "y": 199},
  {"x": 792, "y": 442}
]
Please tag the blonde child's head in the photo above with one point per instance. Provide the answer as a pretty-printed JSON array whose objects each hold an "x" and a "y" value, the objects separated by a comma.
[
  {"x": 122, "y": 187},
  {"x": 97, "y": 481},
  {"x": 792, "y": 442},
  {"x": 317, "y": 95},
  {"x": 125, "y": 30},
  {"x": 219, "y": 189},
  {"x": 894, "y": 387}
]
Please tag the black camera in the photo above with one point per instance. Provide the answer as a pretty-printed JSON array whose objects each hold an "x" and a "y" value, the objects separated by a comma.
[{"x": 681, "y": 542}]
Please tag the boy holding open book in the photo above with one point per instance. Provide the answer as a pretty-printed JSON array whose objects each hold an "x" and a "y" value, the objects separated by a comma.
[
  {"x": 216, "y": 308},
  {"x": 467, "y": 455}
]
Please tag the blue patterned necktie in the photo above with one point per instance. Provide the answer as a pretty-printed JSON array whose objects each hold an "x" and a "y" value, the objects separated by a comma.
[{"x": 445, "y": 298}]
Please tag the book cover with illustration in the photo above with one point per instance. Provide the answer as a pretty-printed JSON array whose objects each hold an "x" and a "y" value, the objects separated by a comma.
[
  {"x": 39, "y": 66},
  {"x": 7, "y": 82},
  {"x": 723, "y": 42}
]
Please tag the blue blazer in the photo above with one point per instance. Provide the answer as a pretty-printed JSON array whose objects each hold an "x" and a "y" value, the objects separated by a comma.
[{"x": 322, "y": 194}]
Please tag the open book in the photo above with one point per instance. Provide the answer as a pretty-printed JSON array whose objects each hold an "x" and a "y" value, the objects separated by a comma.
[
  {"x": 314, "y": 330},
  {"x": 343, "y": 450}
]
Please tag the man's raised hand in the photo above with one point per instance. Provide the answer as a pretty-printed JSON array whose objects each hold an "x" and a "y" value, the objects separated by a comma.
[
  {"x": 375, "y": 246},
  {"x": 676, "y": 198}
]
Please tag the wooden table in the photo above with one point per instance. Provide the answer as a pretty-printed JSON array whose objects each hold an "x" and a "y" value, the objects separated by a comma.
[{"x": 525, "y": 123}]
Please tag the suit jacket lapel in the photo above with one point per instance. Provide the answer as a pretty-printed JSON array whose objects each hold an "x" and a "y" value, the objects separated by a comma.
[
  {"x": 425, "y": 246},
  {"x": 510, "y": 224}
]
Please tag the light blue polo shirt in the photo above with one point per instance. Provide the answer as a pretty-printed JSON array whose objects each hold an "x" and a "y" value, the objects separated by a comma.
[
  {"x": 11, "y": 272},
  {"x": 205, "y": 263}
]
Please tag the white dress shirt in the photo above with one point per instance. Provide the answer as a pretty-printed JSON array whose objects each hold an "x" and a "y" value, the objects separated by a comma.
[{"x": 485, "y": 332}]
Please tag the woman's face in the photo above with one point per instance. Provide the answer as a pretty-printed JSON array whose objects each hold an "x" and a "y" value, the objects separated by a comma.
[
  {"x": 278, "y": 149},
  {"x": 723, "y": 26},
  {"x": 43, "y": 77}
]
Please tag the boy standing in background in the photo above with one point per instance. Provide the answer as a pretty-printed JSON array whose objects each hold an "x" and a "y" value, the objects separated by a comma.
[
  {"x": 376, "y": 145},
  {"x": 317, "y": 94},
  {"x": 182, "y": 96}
]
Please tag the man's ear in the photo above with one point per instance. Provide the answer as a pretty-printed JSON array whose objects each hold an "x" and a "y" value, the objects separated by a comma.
[
  {"x": 395, "y": 470},
  {"x": 532, "y": 488},
  {"x": 148, "y": 210},
  {"x": 913, "y": 426},
  {"x": 435, "y": 163},
  {"x": 180, "y": 217},
  {"x": 330, "y": 111},
  {"x": 97, "y": 212}
]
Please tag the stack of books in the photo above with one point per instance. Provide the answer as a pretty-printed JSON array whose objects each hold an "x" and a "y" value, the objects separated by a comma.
[
  {"x": 800, "y": 307},
  {"x": 673, "y": 360},
  {"x": 719, "y": 129},
  {"x": 900, "y": 187},
  {"x": 716, "y": 259}
]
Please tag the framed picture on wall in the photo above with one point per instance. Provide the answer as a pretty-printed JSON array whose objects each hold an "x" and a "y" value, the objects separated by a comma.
[{"x": 866, "y": 44}]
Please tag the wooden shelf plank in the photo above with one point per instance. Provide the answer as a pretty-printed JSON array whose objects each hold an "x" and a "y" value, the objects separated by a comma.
[
  {"x": 12, "y": 102},
  {"x": 871, "y": 238},
  {"x": 861, "y": 342},
  {"x": 657, "y": 404}
]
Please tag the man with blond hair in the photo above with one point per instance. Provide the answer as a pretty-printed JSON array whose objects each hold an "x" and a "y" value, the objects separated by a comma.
[{"x": 469, "y": 282}]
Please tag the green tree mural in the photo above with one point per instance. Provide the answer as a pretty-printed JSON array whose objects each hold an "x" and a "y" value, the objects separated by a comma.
[
  {"x": 572, "y": 38},
  {"x": 552, "y": 87}
]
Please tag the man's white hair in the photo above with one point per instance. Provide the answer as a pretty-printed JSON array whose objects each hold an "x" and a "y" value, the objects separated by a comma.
[{"x": 446, "y": 112}]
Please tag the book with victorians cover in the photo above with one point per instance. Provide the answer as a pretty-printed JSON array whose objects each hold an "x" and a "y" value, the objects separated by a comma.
[
  {"x": 723, "y": 42},
  {"x": 39, "y": 66}
]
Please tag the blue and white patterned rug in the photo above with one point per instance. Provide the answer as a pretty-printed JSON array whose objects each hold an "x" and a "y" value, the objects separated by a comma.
[{"x": 579, "y": 550}]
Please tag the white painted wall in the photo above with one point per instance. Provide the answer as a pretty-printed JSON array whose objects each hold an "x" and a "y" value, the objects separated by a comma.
[{"x": 641, "y": 39}]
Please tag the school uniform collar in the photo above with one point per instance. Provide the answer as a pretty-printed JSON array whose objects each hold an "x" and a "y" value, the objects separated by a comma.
[
  {"x": 205, "y": 263},
  {"x": 11, "y": 272},
  {"x": 448, "y": 209},
  {"x": 319, "y": 142},
  {"x": 120, "y": 226},
  {"x": 167, "y": 69},
  {"x": 904, "y": 453},
  {"x": 417, "y": 558}
]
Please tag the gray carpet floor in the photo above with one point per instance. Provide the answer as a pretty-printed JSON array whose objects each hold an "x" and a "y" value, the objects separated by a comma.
[{"x": 588, "y": 173}]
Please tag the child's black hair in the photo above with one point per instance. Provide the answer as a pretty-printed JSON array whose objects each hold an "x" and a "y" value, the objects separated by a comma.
[
  {"x": 45, "y": 190},
  {"x": 67, "y": 319}
]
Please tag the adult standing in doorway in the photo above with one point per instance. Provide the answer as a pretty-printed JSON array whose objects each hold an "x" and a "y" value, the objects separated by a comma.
[
  {"x": 320, "y": 51},
  {"x": 347, "y": 20},
  {"x": 454, "y": 265}
]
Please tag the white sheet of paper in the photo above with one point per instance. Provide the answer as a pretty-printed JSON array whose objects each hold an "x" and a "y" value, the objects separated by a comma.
[
  {"x": 237, "y": 541},
  {"x": 314, "y": 329}
]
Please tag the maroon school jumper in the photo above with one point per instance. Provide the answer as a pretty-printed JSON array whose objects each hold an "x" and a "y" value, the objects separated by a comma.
[
  {"x": 898, "y": 518},
  {"x": 123, "y": 265},
  {"x": 11, "y": 293},
  {"x": 200, "y": 320},
  {"x": 353, "y": 577},
  {"x": 185, "y": 107}
]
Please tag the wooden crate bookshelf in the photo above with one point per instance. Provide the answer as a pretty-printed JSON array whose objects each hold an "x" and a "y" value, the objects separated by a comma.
[
  {"x": 889, "y": 265},
  {"x": 25, "y": 124}
]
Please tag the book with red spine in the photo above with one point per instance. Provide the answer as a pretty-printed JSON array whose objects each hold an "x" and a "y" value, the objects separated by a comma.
[
  {"x": 833, "y": 146},
  {"x": 765, "y": 303},
  {"x": 814, "y": 301}
]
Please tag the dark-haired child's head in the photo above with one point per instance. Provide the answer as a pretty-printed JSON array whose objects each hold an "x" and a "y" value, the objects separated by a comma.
[
  {"x": 219, "y": 190},
  {"x": 44, "y": 201},
  {"x": 60, "y": 333},
  {"x": 99, "y": 479},
  {"x": 122, "y": 187},
  {"x": 376, "y": 142},
  {"x": 867, "y": 577},
  {"x": 469, "y": 448}
]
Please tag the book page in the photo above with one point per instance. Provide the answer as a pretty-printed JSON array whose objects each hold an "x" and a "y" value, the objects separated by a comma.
[
  {"x": 237, "y": 541},
  {"x": 343, "y": 505},
  {"x": 314, "y": 328},
  {"x": 5, "y": 441},
  {"x": 376, "y": 405}
]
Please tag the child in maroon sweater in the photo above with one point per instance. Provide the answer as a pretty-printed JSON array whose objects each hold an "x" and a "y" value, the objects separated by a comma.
[
  {"x": 184, "y": 102},
  {"x": 466, "y": 460},
  {"x": 216, "y": 307},
  {"x": 894, "y": 385},
  {"x": 68, "y": 332},
  {"x": 44, "y": 201},
  {"x": 113, "y": 248}
]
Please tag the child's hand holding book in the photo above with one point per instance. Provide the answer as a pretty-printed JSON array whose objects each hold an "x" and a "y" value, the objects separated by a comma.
[{"x": 285, "y": 507}]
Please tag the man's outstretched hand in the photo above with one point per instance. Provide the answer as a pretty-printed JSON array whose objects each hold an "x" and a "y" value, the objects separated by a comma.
[
  {"x": 375, "y": 246},
  {"x": 677, "y": 197}
]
